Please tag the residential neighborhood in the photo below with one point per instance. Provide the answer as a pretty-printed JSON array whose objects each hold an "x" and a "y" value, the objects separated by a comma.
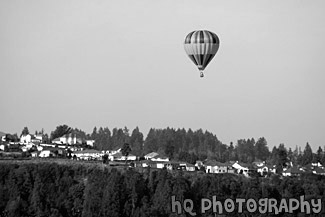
[{"x": 75, "y": 148}]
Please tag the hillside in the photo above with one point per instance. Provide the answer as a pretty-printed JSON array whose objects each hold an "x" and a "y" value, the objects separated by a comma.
[{"x": 51, "y": 189}]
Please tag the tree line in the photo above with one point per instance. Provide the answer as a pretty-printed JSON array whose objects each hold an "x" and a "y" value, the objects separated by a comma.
[
  {"x": 59, "y": 190},
  {"x": 190, "y": 146}
]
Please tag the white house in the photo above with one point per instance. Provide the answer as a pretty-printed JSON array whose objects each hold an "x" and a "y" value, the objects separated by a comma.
[
  {"x": 47, "y": 145},
  {"x": 213, "y": 166},
  {"x": 319, "y": 171},
  {"x": 187, "y": 166},
  {"x": 2, "y": 147},
  {"x": 242, "y": 168},
  {"x": 199, "y": 164},
  {"x": 272, "y": 168},
  {"x": 57, "y": 141},
  {"x": 119, "y": 156},
  {"x": 29, "y": 145},
  {"x": 69, "y": 139},
  {"x": 34, "y": 153},
  {"x": 144, "y": 163},
  {"x": 159, "y": 164},
  {"x": 47, "y": 153},
  {"x": 130, "y": 157},
  {"x": 115, "y": 151},
  {"x": 37, "y": 138},
  {"x": 262, "y": 169},
  {"x": 88, "y": 154},
  {"x": 160, "y": 158},
  {"x": 317, "y": 165},
  {"x": 150, "y": 155},
  {"x": 25, "y": 139},
  {"x": 90, "y": 142},
  {"x": 115, "y": 156}
]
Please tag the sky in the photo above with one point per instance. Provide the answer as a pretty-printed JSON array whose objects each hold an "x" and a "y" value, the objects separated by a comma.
[{"x": 116, "y": 63}]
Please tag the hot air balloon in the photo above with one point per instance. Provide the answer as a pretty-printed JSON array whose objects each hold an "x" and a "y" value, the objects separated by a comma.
[{"x": 201, "y": 46}]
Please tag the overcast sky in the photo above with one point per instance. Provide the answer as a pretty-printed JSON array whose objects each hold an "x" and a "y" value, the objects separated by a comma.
[{"x": 119, "y": 63}]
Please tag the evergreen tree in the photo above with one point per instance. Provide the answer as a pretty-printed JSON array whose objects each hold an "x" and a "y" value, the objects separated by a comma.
[
  {"x": 60, "y": 131},
  {"x": 151, "y": 142},
  {"x": 24, "y": 132},
  {"x": 261, "y": 149},
  {"x": 136, "y": 142},
  {"x": 308, "y": 155}
]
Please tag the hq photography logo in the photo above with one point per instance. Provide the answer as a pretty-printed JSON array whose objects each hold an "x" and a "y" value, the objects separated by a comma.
[{"x": 262, "y": 206}]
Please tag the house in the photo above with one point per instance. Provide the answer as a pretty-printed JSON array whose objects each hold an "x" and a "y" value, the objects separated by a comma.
[
  {"x": 2, "y": 147},
  {"x": 259, "y": 163},
  {"x": 317, "y": 165},
  {"x": 312, "y": 166},
  {"x": 231, "y": 169},
  {"x": 199, "y": 164},
  {"x": 68, "y": 139},
  {"x": 159, "y": 164},
  {"x": 309, "y": 168},
  {"x": 262, "y": 170},
  {"x": 243, "y": 168},
  {"x": 47, "y": 153},
  {"x": 271, "y": 168},
  {"x": 187, "y": 166},
  {"x": 88, "y": 154},
  {"x": 211, "y": 166},
  {"x": 47, "y": 145},
  {"x": 29, "y": 146},
  {"x": 150, "y": 155},
  {"x": 35, "y": 153},
  {"x": 90, "y": 142},
  {"x": 121, "y": 157},
  {"x": 24, "y": 149},
  {"x": 118, "y": 150},
  {"x": 25, "y": 139},
  {"x": 37, "y": 138},
  {"x": 75, "y": 148},
  {"x": 160, "y": 158},
  {"x": 154, "y": 164},
  {"x": 292, "y": 171},
  {"x": 144, "y": 163},
  {"x": 130, "y": 157},
  {"x": 105, "y": 152},
  {"x": 116, "y": 156},
  {"x": 319, "y": 171},
  {"x": 223, "y": 167},
  {"x": 57, "y": 141}
]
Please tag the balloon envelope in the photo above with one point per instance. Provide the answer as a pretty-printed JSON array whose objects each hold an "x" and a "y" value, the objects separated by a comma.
[{"x": 201, "y": 46}]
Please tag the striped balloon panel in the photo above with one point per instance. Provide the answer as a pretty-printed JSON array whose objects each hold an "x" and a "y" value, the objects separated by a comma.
[
  {"x": 201, "y": 54},
  {"x": 201, "y": 46},
  {"x": 201, "y": 36}
]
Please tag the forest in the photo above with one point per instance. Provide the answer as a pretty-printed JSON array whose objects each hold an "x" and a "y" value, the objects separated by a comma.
[
  {"x": 190, "y": 146},
  {"x": 64, "y": 190}
]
